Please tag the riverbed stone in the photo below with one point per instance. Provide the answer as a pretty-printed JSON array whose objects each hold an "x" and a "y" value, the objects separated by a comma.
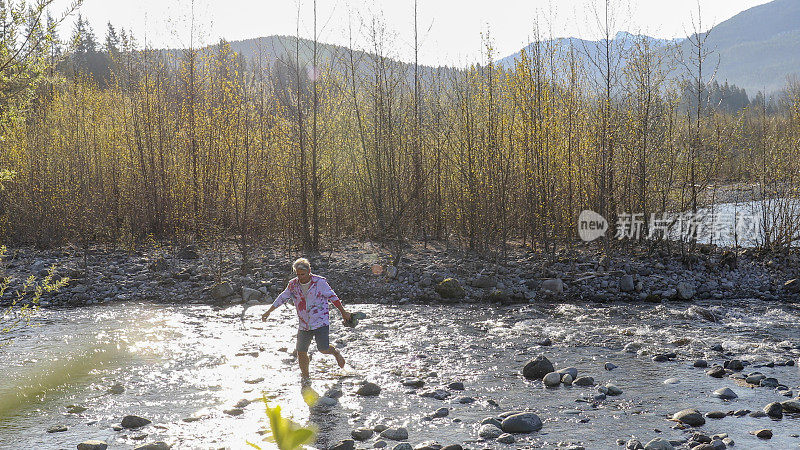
[
  {"x": 395, "y": 434},
  {"x": 403, "y": 446},
  {"x": 583, "y": 381},
  {"x": 791, "y": 406},
  {"x": 569, "y": 370},
  {"x": 762, "y": 434},
  {"x": 491, "y": 420},
  {"x": 716, "y": 414},
  {"x": 685, "y": 290},
  {"x": 221, "y": 291},
  {"x": 658, "y": 444},
  {"x": 626, "y": 283},
  {"x": 132, "y": 422},
  {"x": 506, "y": 438},
  {"x": 552, "y": 379},
  {"x": 441, "y": 412},
  {"x": 700, "y": 363},
  {"x": 755, "y": 378},
  {"x": 632, "y": 444},
  {"x": 537, "y": 368},
  {"x": 774, "y": 410},
  {"x": 93, "y": 444},
  {"x": 716, "y": 372},
  {"x": 345, "y": 444},
  {"x": 567, "y": 379},
  {"x": 368, "y": 389},
  {"x": 456, "y": 386},
  {"x": 362, "y": 434},
  {"x": 612, "y": 390},
  {"x": 690, "y": 417},
  {"x": 57, "y": 429},
  {"x": 725, "y": 394},
  {"x": 158, "y": 445},
  {"x": 489, "y": 431},
  {"x": 522, "y": 423}
]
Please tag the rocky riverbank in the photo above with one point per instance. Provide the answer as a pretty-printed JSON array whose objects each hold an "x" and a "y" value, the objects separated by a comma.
[{"x": 363, "y": 273}]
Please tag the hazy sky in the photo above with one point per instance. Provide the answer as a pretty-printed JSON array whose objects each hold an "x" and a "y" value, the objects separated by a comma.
[{"x": 449, "y": 30}]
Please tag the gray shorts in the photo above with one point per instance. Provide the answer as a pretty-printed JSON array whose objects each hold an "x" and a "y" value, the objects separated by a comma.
[{"x": 320, "y": 335}]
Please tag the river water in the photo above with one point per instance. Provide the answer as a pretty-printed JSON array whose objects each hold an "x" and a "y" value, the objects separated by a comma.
[{"x": 179, "y": 362}]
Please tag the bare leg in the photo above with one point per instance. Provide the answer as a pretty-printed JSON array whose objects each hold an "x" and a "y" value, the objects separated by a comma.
[
  {"x": 332, "y": 351},
  {"x": 302, "y": 361}
]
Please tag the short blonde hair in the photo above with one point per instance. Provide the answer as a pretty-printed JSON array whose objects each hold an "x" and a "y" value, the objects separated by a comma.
[{"x": 301, "y": 263}]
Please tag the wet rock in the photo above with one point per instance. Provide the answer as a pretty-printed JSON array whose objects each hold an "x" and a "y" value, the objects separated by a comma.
[
  {"x": 701, "y": 363},
  {"x": 428, "y": 445},
  {"x": 456, "y": 386},
  {"x": 567, "y": 379},
  {"x": 116, "y": 389},
  {"x": 633, "y": 444},
  {"x": 379, "y": 444},
  {"x": 658, "y": 444},
  {"x": 362, "y": 434},
  {"x": 234, "y": 411},
  {"x": 450, "y": 288},
  {"x": 555, "y": 286},
  {"x": 741, "y": 412},
  {"x": 769, "y": 382},
  {"x": 438, "y": 394},
  {"x": 522, "y": 423},
  {"x": 93, "y": 444},
  {"x": 537, "y": 368},
  {"x": 75, "y": 409},
  {"x": 672, "y": 381},
  {"x": 546, "y": 342},
  {"x": 57, "y": 429},
  {"x": 158, "y": 445},
  {"x": 583, "y": 381},
  {"x": 612, "y": 390},
  {"x": 346, "y": 444},
  {"x": 413, "y": 382},
  {"x": 791, "y": 406},
  {"x": 403, "y": 446},
  {"x": 489, "y": 431},
  {"x": 734, "y": 365},
  {"x": 758, "y": 414},
  {"x": 609, "y": 366},
  {"x": 506, "y": 438},
  {"x": 333, "y": 393},
  {"x": 716, "y": 414},
  {"x": 368, "y": 389},
  {"x": 441, "y": 412},
  {"x": 379, "y": 428},
  {"x": 132, "y": 422},
  {"x": 762, "y": 434},
  {"x": 491, "y": 421},
  {"x": 395, "y": 434},
  {"x": 569, "y": 370},
  {"x": 465, "y": 400},
  {"x": 326, "y": 402},
  {"x": 725, "y": 394},
  {"x": 716, "y": 372},
  {"x": 755, "y": 378},
  {"x": 690, "y": 417},
  {"x": 552, "y": 379}
]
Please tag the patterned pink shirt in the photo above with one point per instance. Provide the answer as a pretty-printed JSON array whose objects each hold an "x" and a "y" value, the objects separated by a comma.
[{"x": 312, "y": 309}]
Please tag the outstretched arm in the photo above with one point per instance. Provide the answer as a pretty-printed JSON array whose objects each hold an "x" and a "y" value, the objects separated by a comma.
[
  {"x": 279, "y": 300},
  {"x": 328, "y": 293}
]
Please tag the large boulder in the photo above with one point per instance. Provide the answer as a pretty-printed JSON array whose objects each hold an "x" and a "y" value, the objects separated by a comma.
[
  {"x": 626, "y": 283},
  {"x": 251, "y": 295},
  {"x": 685, "y": 290},
  {"x": 450, "y": 288},
  {"x": 521, "y": 423},
  {"x": 537, "y": 368}
]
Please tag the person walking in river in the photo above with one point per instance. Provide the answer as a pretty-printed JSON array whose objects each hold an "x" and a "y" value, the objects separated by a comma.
[{"x": 310, "y": 294}]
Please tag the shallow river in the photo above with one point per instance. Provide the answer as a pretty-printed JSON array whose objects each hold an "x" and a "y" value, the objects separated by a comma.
[{"x": 179, "y": 362}]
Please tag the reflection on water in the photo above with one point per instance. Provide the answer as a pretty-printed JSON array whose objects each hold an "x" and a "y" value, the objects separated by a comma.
[{"x": 187, "y": 368}]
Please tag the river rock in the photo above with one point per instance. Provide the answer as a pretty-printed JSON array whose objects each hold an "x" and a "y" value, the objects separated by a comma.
[
  {"x": 379, "y": 444},
  {"x": 131, "y": 422},
  {"x": 57, "y": 429},
  {"x": 609, "y": 366},
  {"x": 552, "y": 379},
  {"x": 685, "y": 290},
  {"x": 452, "y": 447},
  {"x": 537, "y": 368},
  {"x": 75, "y": 409},
  {"x": 450, "y": 288},
  {"x": 792, "y": 286},
  {"x": 626, "y": 283},
  {"x": 362, "y": 434},
  {"x": 791, "y": 406},
  {"x": 762, "y": 434},
  {"x": 690, "y": 417},
  {"x": 395, "y": 434},
  {"x": 633, "y": 444},
  {"x": 403, "y": 446},
  {"x": 755, "y": 378},
  {"x": 735, "y": 365},
  {"x": 569, "y": 370},
  {"x": 522, "y": 423},
  {"x": 251, "y": 295},
  {"x": 413, "y": 382},
  {"x": 93, "y": 444},
  {"x": 221, "y": 291},
  {"x": 716, "y": 372},
  {"x": 428, "y": 445},
  {"x": 491, "y": 420},
  {"x": 346, "y": 444},
  {"x": 725, "y": 394},
  {"x": 441, "y": 412},
  {"x": 567, "y": 379},
  {"x": 456, "y": 386},
  {"x": 489, "y": 431},
  {"x": 613, "y": 390},
  {"x": 506, "y": 438},
  {"x": 716, "y": 414},
  {"x": 583, "y": 381},
  {"x": 368, "y": 389},
  {"x": 701, "y": 363},
  {"x": 555, "y": 286},
  {"x": 658, "y": 444},
  {"x": 158, "y": 445}
]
